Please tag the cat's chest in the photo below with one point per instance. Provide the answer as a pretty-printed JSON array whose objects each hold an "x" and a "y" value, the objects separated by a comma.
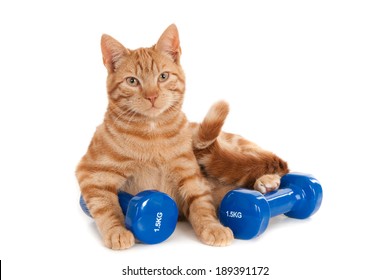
[
  {"x": 148, "y": 176},
  {"x": 153, "y": 162},
  {"x": 158, "y": 149}
]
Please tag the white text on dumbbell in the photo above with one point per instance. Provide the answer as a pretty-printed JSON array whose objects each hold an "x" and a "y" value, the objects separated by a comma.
[
  {"x": 234, "y": 214},
  {"x": 157, "y": 225}
]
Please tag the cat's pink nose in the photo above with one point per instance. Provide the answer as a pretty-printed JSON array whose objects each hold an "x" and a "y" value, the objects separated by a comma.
[{"x": 152, "y": 98}]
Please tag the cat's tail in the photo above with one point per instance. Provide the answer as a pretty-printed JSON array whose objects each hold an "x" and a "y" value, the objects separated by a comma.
[{"x": 205, "y": 133}]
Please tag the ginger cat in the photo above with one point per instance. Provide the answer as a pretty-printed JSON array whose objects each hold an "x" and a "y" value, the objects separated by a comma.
[{"x": 146, "y": 142}]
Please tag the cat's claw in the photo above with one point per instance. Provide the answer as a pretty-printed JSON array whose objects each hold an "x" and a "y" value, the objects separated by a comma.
[
  {"x": 119, "y": 238},
  {"x": 267, "y": 183}
]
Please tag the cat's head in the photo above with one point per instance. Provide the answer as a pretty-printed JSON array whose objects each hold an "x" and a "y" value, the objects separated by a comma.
[{"x": 146, "y": 81}]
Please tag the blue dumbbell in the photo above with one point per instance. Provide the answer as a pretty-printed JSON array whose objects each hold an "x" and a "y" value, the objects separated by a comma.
[
  {"x": 150, "y": 215},
  {"x": 247, "y": 212}
]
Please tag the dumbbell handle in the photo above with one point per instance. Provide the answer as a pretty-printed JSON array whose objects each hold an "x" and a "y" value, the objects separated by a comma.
[
  {"x": 282, "y": 201},
  {"x": 123, "y": 197}
]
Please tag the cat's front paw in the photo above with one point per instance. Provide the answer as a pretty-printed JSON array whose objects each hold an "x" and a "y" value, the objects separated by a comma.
[
  {"x": 118, "y": 238},
  {"x": 215, "y": 234},
  {"x": 267, "y": 183}
]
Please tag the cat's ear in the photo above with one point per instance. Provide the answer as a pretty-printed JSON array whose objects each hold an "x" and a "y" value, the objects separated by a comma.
[
  {"x": 112, "y": 52},
  {"x": 169, "y": 43}
]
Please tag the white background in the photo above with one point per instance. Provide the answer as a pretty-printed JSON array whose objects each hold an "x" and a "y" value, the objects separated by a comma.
[{"x": 305, "y": 79}]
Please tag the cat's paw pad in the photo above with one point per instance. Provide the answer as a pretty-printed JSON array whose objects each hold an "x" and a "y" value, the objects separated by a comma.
[
  {"x": 119, "y": 238},
  {"x": 267, "y": 183},
  {"x": 216, "y": 234}
]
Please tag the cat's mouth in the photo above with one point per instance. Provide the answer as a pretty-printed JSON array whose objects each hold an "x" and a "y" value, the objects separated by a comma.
[
  {"x": 154, "y": 111},
  {"x": 154, "y": 107}
]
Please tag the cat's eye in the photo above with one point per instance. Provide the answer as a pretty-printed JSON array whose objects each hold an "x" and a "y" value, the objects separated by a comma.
[
  {"x": 132, "y": 81},
  {"x": 163, "y": 77}
]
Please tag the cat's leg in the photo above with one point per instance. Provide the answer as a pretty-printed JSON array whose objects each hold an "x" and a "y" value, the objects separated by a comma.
[
  {"x": 264, "y": 184},
  {"x": 99, "y": 185},
  {"x": 234, "y": 161},
  {"x": 274, "y": 165},
  {"x": 201, "y": 213},
  {"x": 197, "y": 205}
]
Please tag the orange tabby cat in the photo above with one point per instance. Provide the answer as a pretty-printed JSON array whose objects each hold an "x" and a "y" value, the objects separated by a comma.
[{"x": 146, "y": 142}]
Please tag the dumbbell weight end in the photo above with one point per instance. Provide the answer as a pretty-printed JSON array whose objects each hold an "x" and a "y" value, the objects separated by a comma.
[
  {"x": 246, "y": 212},
  {"x": 305, "y": 192},
  {"x": 150, "y": 215}
]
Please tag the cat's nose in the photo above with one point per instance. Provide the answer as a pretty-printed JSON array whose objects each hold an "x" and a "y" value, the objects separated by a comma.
[{"x": 152, "y": 98}]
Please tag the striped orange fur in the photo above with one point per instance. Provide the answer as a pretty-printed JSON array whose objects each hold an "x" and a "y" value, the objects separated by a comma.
[
  {"x": 146, "y": 142},
  {"x": 229, "y": 161}
]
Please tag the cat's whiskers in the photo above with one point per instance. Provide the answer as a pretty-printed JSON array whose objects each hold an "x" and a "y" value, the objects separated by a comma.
[
  {"x": 130, "y": 116},
  {"x": 174, "y": 108},
  {"x": 128, "y": 113}
]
